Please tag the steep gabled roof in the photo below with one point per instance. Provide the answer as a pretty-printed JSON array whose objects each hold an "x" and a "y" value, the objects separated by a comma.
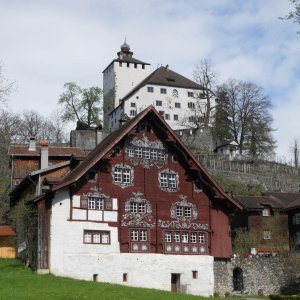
[
  {"x": 165, "y": 77},
  {"x": 115, "y": 137}
]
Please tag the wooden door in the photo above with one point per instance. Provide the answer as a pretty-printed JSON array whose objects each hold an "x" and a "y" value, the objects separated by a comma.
[{"x": 175, "y": 282}]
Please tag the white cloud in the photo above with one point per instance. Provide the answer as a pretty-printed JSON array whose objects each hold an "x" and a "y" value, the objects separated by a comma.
[{"x": 47, "y": 43}]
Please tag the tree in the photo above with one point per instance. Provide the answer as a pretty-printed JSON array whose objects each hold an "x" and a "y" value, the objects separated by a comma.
[
  {"x": 243, "y": 115},
  {"x": 6, "y": 87},
  {"x": 81, "y": 105},
  {"x": 202, "y": 115},
  {"x": 294, "y": 15},
  {"x": 296, "y": 151}
]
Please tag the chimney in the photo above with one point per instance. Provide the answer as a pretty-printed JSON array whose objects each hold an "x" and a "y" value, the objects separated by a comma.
[
  {"x": 44, "y": 154},
  {"x": 167, "y": 68},
  {"x": 32, "y": 144}
]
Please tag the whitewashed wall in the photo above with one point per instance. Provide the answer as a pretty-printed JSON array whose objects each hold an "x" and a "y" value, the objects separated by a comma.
[
  {"x": 70, "y": 257},
  {"x": 123, "y": 78},
  {"x": 142, "y": 98}
]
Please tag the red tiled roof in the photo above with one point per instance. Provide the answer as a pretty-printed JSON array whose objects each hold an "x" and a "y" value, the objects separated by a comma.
[
  {"x": 6, "y": 230},
  {"x": 23, "y": 150}
]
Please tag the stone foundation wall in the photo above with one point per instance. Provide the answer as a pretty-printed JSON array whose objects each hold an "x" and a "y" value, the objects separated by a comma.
[{"x": 260, "y": 275}]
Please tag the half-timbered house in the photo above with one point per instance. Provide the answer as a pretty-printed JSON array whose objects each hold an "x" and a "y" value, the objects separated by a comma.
[{"x": 139, "y": 210}]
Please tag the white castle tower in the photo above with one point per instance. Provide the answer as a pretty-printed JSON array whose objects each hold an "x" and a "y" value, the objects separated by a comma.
[{"x": 120, "y": 76}]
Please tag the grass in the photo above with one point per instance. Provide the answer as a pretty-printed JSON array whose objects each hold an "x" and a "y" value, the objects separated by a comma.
[{"x": 18, "y": 283}]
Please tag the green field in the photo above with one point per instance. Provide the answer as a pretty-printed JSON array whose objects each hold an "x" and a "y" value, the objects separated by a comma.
[{"x": 18, "y": 282}]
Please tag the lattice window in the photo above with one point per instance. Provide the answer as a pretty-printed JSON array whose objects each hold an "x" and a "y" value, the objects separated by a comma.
[{"x": 96, "y": 237}]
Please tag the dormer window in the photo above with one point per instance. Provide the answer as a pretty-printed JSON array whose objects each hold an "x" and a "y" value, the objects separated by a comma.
[{"x": 266, "y": 212}]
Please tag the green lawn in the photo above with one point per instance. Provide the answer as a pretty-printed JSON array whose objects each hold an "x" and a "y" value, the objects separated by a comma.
[{"x": 18, "y": 282}]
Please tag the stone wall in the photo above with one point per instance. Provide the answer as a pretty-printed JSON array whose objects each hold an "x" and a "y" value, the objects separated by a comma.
[
  {"x": 260, "y": 275},
  {"x": 275, "y": 177}
]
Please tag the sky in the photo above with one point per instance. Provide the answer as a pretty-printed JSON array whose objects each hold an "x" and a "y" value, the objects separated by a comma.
[{"x": 44, "y": 44}]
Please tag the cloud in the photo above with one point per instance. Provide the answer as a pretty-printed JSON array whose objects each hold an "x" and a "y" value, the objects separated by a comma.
[{"x": 48, "y": 43}]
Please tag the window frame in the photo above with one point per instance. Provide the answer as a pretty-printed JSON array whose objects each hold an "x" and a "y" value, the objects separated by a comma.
[
  {"x": 101, "y": 234},
  {"x": 163, "y": 91}
]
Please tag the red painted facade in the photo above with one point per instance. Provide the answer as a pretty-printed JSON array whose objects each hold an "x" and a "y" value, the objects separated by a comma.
[{"x": 203, "y": 227}]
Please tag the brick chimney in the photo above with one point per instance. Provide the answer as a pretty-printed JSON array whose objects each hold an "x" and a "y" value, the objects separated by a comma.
[
  {"x": 32, "y": 144},
  {"x": 44, "y": 154}
]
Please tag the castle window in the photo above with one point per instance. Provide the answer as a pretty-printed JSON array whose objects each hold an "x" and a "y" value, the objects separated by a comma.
[
  {"x": 143, "y": 66},
  {"x": 135, "y": 66},
  {"x": 158, "y": 103},
  {"x": 96, "y": 237},
  {"x": 202, "y": 238},
  {"x": 138, "y": 152},
  {"x": 175, "y": 117},
  {"x": 133, "y": 113},
  {"x": 167, "y": 116},
  {"x": 191, "y": 105},
  {"x": 146, "y": 153},
  {"x": 201, "y": 95},
  {"x": 150, "y": 89},
  {"x": 161, "y": 112},
  {"x": 190, "y": 94},
  {"x": 130, "y": 151},
  {"x": 128, "y": 65},
  {"x": 120, "y": 64},
  {"x": 163, "y": 91},
  {"x": 177, "y": 105},
  {"x": 132, "y": 104}
]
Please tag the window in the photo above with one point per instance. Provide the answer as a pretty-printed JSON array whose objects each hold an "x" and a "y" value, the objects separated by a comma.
[
  {"x": 192, "y": 119},
  {"x": 201, "y": 238},
  {"x": 120, "y": 64},
  {"x": 95, "y": 203},
  {"x": 146, "y": 153},
  {"x": 191, "y": 105},
  {"x": 133, "y": 113},
  {"x": 96, "y": 237},
  {"x": 158, "y": 103},
  {"x": 122, "y": 175},
  {"x": 177, "y": 105},
  {"x": 139, "y": 235},
  {"x": 150, "y": 89},
  {"x": 143, "y": 66},
  {"x": 168, "y": 180},
  {"x": 167, "y": 116},
  {"x": 201, "y": 95},
  {"x": 168, "y": 236},
  {"x": 137, "y": 207},
  {"x": 154, "y": 154},
  {"x": 135, "y": 66},
  {"x": 266, "y": 235},
  {"x": 183, "y": 211},
  {"x": 163, "y": 91},
  {"x": 296, "y": 219},
  {"x": 175, "y": 117},
  {"x": 128, "y": 65},
  {"x": 132, "y": 104},
  {"x": 175, "y": 93},
  {"x": 130, "y": 151},
  {"x": 266, "y": 212},
  {"x": 125, "y": 277},
  {"x": 138, "y": 152},
  {"x": 190, "y": 94},
  {"x": 195, "y": 274},
  {"x": 161, "y": 113},
  {"x": 161, "y": 154},
  {"x": 184, "y": 242}
]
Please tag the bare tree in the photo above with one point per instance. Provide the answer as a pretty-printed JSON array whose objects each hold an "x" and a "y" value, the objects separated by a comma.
[
  {"x": 296, "y": 151},
  {"x": 202, "y": 112},
  {"x": 243, "y": 115},
  {"x": 294, "y": 14},
  {"x": 6, "y": 87}
]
